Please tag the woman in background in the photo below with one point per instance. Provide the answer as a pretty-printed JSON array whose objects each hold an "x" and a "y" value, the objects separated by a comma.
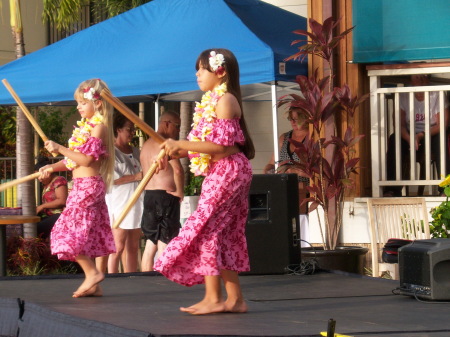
[
  {"x": 127, "y": 174},
  {"x": 54, "y": 196}
]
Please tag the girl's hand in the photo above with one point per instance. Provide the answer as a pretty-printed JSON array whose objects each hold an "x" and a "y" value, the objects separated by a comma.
[
  {"x": 172, "y": 147},
  {"x": 51, "y": 146},
  {"x": 44, "y": 173}
]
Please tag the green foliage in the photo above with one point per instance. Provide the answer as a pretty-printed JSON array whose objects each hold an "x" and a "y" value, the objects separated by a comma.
[
  {"x": 63, "y": 14},
  {"x": 195, "y": 185},
  {"x": 52, "y": 121},
  {"x": 8, "y": 132},
  {"x": 385, "y": 274},
  {"x": 115, "y": 7},
  {"x": 137, "y": 136},
  {"x": 440, "y": 225},
  {"x": 32, "y": 257}
]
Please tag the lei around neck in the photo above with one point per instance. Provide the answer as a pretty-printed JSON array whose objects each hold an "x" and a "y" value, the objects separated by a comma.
[
  {"x": 81, "y": 134},
  {"x": 205, "y": 110}
]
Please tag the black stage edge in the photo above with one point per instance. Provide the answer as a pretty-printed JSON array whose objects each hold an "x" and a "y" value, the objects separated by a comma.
[{"x": 147, "y": 304}]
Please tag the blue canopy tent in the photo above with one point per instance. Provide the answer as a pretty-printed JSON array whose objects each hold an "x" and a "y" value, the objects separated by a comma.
[{"x": 150, "y": 52}]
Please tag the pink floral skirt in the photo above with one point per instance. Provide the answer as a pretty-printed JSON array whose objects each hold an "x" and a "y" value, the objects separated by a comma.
[
  {"x": 213, "y": 238},
  {"x": 83, "y": 227}
]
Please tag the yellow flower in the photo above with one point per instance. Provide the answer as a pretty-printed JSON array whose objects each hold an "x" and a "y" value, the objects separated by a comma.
[
  {"x": 81, "y": 134},
  {"x": 445, "y": 182},
  {"x": 221, "y": 90}
]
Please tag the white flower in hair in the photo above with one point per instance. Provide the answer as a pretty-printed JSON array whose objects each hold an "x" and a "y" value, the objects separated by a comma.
[
  {"x": 91, "y": 94},
  {"x": 216, "y": 60}
]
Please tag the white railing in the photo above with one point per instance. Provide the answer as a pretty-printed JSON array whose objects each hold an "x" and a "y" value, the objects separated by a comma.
[{"x": 385, "y": 120}]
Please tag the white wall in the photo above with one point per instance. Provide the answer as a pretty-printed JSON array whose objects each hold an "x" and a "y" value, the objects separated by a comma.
[
  {"x": 299, "y": 7},
  {"x": 355, "y": 222},
  {"x": 35, "y": 32},
  {"x": 258, "y": 116}
]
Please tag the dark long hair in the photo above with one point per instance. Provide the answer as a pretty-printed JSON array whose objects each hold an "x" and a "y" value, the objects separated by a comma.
[
  {"x": 231, "y": 78},
  {"x": 119, "y": 121}
]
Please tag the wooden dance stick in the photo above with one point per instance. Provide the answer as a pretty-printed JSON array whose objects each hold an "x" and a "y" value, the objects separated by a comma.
[
  {"x": 22, "y": 180},
  {"x": 27, "y": 113},
  {"x": 139, "y": 189},
  {"x": 121, "y": 107}
]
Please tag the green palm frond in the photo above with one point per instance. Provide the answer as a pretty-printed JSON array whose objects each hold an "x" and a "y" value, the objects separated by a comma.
[
  {"x": 62, "y": 13},
  {"x": 65, "y": 13},
  {"x": 115, "y": 7}
]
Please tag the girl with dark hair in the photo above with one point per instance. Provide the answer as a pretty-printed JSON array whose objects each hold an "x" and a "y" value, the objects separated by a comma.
[{"x": 211, "y": 246}]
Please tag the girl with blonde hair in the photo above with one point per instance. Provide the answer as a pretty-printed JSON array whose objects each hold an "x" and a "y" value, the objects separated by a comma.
[{"x": 83, "y": 230}]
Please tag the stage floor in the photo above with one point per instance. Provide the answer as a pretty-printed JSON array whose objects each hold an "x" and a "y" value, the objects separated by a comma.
[{"x": 279, "y": 305}]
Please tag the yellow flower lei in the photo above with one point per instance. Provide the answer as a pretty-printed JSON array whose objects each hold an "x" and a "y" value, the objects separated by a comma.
[
  {"x": 206, "y": 109},
  {"x": 81, "y": 134}
]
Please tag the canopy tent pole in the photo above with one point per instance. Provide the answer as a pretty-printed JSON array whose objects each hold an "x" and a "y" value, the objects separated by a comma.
[
  {"x": 275, "y": 123},
  {"x": 156, "y": 113},
  {"x": 141, "y": 116}
]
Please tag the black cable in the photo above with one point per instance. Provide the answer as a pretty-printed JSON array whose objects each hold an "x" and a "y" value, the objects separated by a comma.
[
  {"x": 415, "y": 293},
  {"x": 305, "y": 267}
]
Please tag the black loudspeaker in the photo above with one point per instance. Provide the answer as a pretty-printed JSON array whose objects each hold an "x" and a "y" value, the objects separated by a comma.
[
  {"x": 424, "y": 267},
  {"x": 273, "y": 230}
]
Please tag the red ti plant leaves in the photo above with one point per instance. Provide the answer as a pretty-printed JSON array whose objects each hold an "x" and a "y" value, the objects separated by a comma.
[{"x": 328, "y": 160}]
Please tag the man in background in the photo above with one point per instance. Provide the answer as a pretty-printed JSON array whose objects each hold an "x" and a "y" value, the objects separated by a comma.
[
  {"x": 163, "y": 193},
  {"x": 416, "y": 140}
]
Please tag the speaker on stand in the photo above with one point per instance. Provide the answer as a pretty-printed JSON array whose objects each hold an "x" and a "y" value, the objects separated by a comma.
[{"x": 273, "y": 230}]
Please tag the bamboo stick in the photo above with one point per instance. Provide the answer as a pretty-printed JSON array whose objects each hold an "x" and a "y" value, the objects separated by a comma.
[
  {"x": 22, "y": 180},
  {"x": 121, "y": 107},
  {"x": 26, "y": 112}
]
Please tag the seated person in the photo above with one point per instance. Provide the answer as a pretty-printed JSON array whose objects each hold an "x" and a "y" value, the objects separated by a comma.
[
  {"x": 418, "y": 139},
  {"x": 54, "y": 195}
]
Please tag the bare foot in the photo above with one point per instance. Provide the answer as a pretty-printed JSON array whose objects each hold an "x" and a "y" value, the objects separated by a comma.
[
  {"x": 205, "y": 307},
  {"x": 98, "y": 292},
  {"x": 89, "y": 286},
  {"x": 236, "y": 307},
  {"x": 95, "y": 291}
]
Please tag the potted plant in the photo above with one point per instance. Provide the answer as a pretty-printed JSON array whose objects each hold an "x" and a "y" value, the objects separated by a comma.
[
  {"x": 191, "y": 195},
  {"x": 194, "y": 187},
  {"x": 326, "y": 157},
  {"x": 440, "y": 225}
]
